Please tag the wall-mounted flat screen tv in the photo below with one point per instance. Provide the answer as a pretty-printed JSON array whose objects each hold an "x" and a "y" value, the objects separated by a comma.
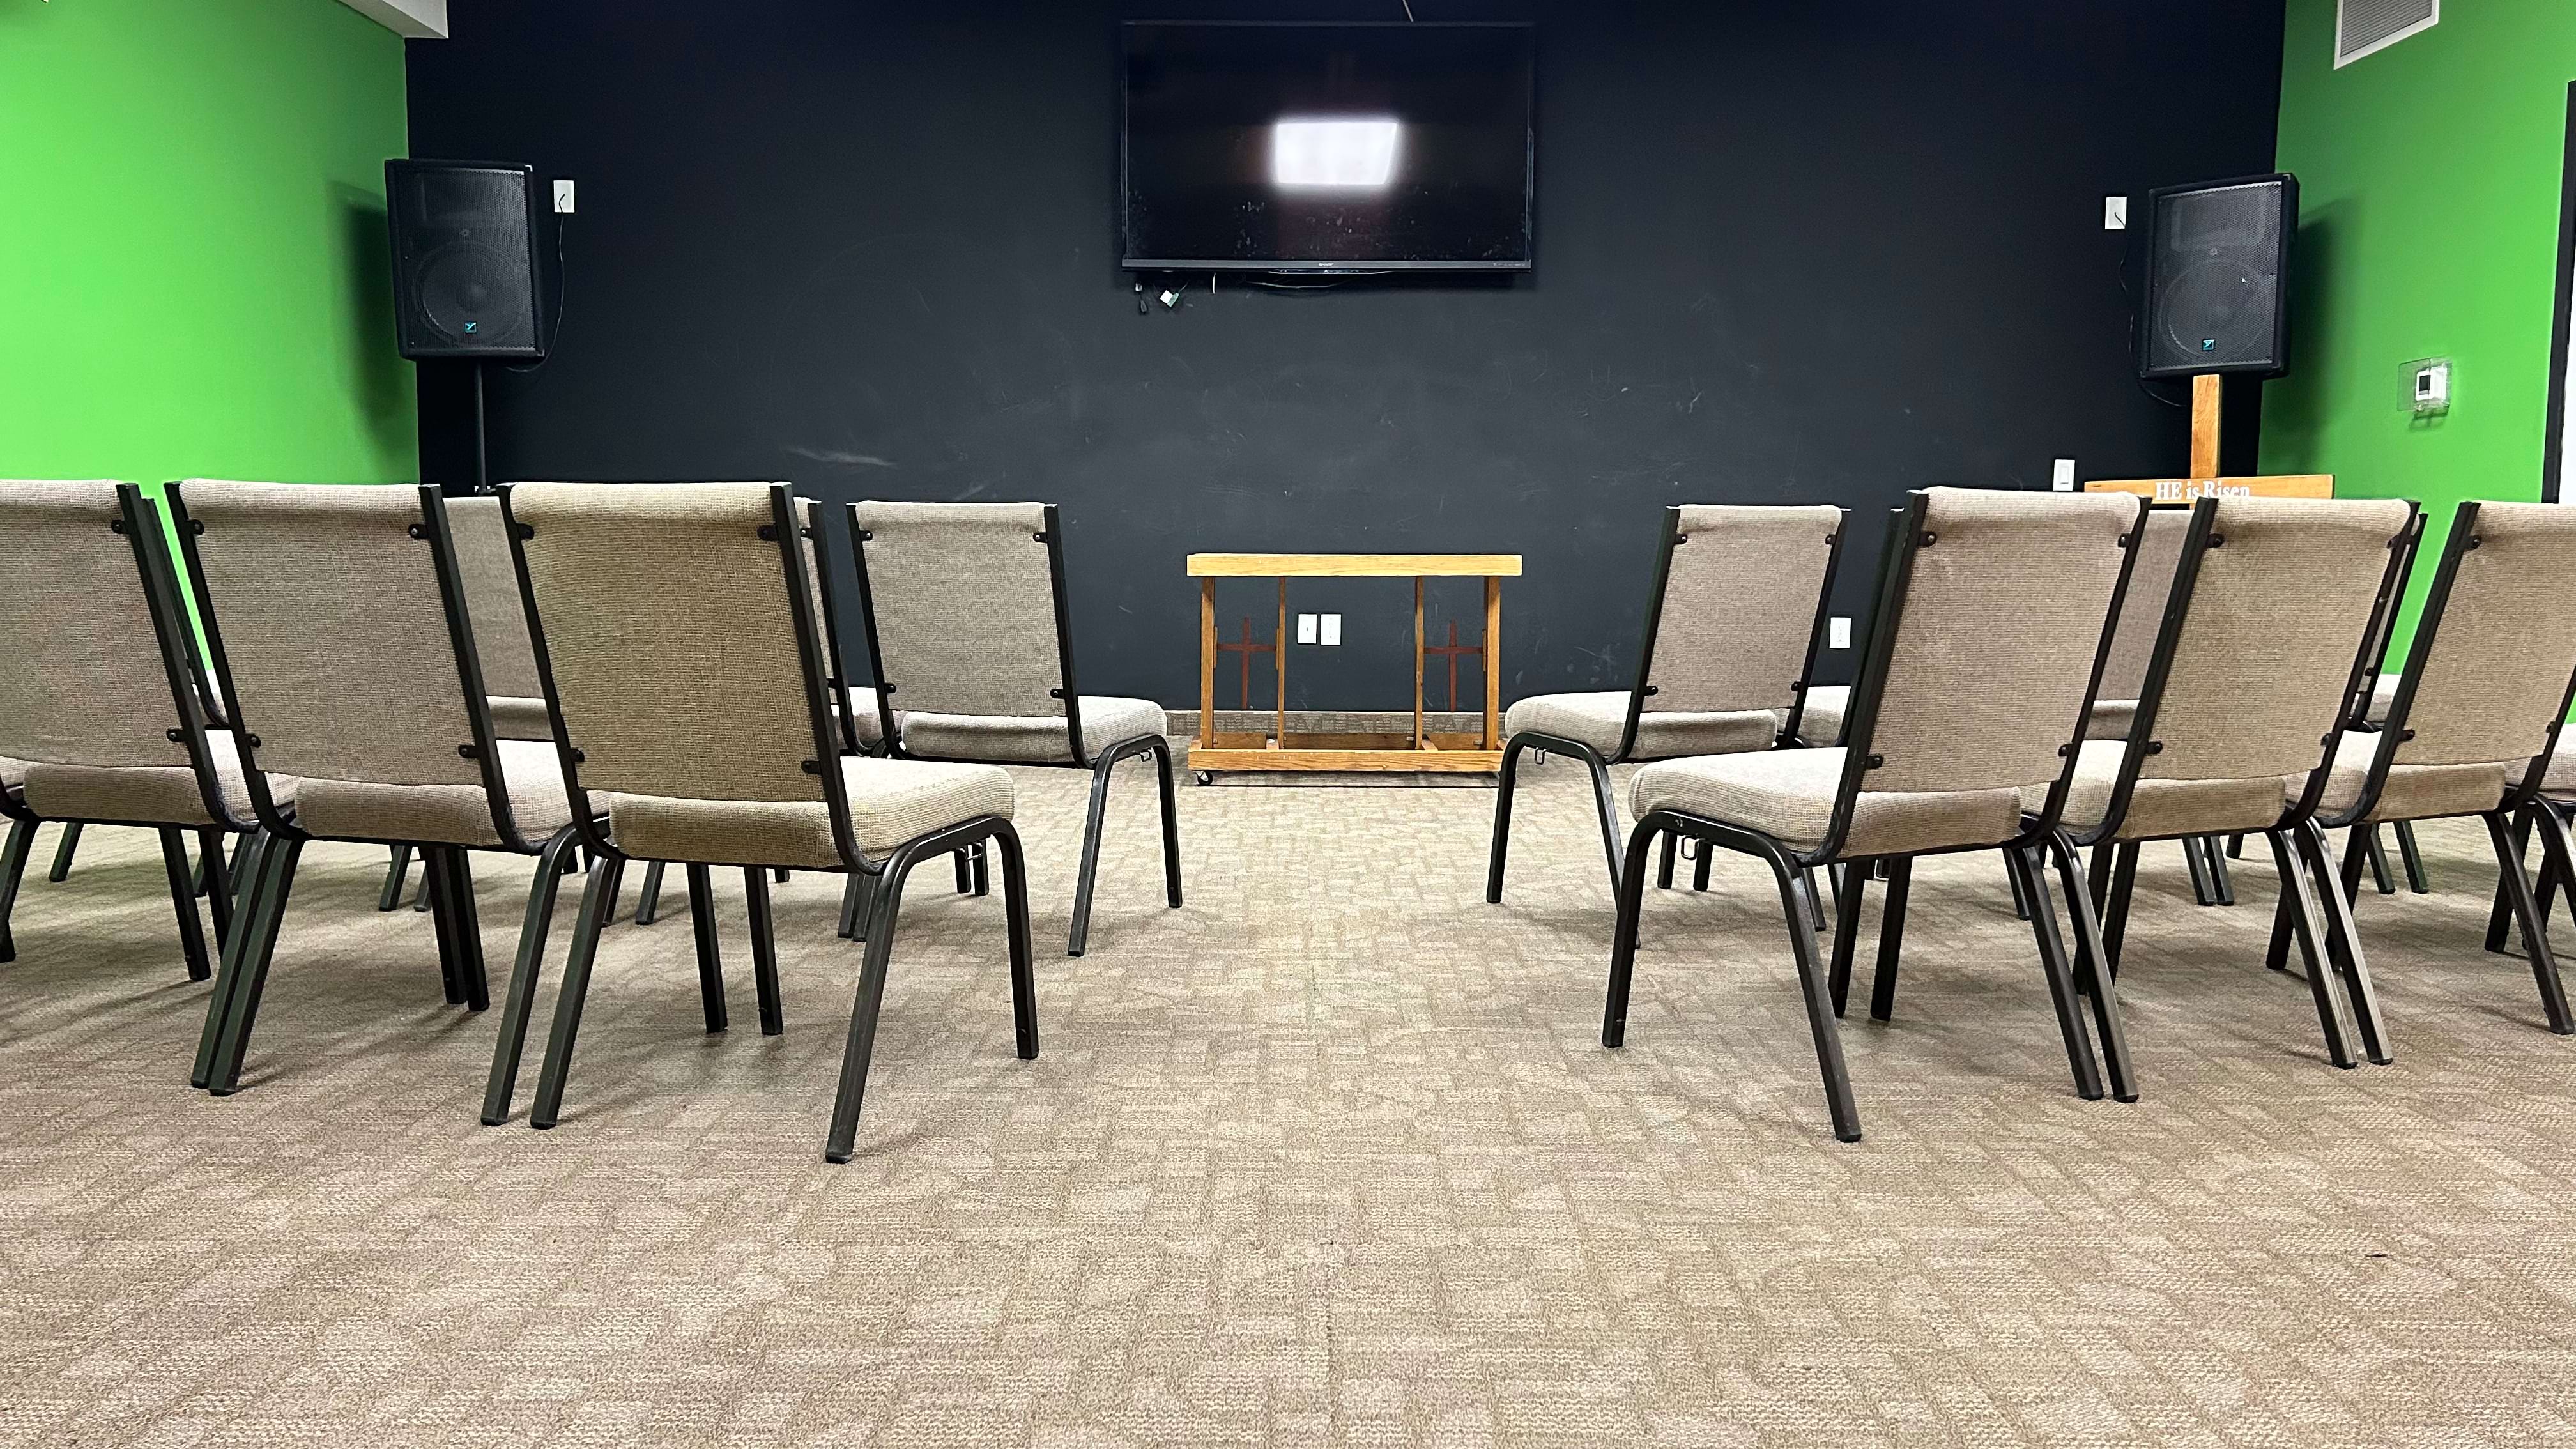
[{"x": 1295, "y": 147}]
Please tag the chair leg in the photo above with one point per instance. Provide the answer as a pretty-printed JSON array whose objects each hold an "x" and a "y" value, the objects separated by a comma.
[
  {"x": 601, "y": 889},
  {"x": 1700, "y": 865},
  {"x": 648, "y": 905},
  {"x": 965, "y": 874},
  {"x": 1083, "y": 883},
  {"x": 1664, "y": 861},
  {"x": 2355, "y": 852},
  {"x": 13, "y": 866},
  {"x": 214, "y": 882},
  {"x": 1623, "y": 934},
  {"x": 1162, "y": 751},
  {"x": 764, "y": 950},
  {"x": 2236, "y": 847},
  {"x": 1820, "y": 1016},
  {"x": 63, "y": 853},
  {"x": 2276, "y": 953},
  {"x": 854, "y": 904},
  {"x": 2501, "y": 913},
  {"x": 433, "y": 888},
  {"x": 2379, "y": 872},
  {"x": 1498, "y": 851},
  {"x": 1851, "y": 890},
  {"x": 2535, "y": 930},
  {"x": 2096, "y": 985},
  {"x": 469, "y": 932},
  {"x": 504, "y": 1081},
  {"x": 1815, "y": 903},
  {"x": 2021, "y": 902},
  {"x": 250, "y": 881},
  {"x": 396, "y": 873},
  {"x": 183, "y": 901},
  {"x": 779, "y": 874},
  {"x": 2303, "y": 920},
  {"x": 982, "y": 868},
  {"x": 2204, "y": 892},
  {"x": 2343, "y": 945},
  {"x": 241, "y": 1010},
  {"x": 2412, "y": 856},
  {"x": 2025, "y": 869},
  {"x": 2219, "y": 879},
  {"x": 1891, "y": 938},
  {"x": 2115, "y": 910},
  {"x": 702, "y": 927},
  {"x": 1024, "y": 975},
  {"x": 860, "y": 1046}
]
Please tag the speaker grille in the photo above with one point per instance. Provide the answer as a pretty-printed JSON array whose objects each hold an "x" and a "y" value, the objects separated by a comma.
[
  {"x": 464, "y": 260},
  {"x": 2366, "y": 26},
  {"x": 2214, "y": 279}
]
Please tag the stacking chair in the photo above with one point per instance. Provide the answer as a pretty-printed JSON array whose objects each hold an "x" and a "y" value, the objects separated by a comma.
[
  {"x": 100, "y": 719},
  {"x": 2242, "y": 712},
  {"x": 1993, "y": 617},
  {"x": 966, "y": 622},
  {"x": 2475, "y": 724},
  {"x": 684, "y": 677},
  {"x": 337, "y": 621},
  {"x": 1733, "y": 621}
]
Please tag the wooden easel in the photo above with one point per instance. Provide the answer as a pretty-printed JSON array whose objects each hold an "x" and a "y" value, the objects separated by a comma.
[{"x": 2204, "y": 481}]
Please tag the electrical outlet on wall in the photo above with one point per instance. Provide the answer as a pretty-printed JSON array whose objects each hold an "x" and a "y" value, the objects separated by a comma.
[
  {"x": 1838, "y": 632},
  {"x": 1305, "y": 628},
  {"x": 1332, "y": 629},
  {"x": 2061, "y": 475},
  {"x": 563, "y": 195}
]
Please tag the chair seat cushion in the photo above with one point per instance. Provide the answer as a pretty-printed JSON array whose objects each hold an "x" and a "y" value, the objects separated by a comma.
[
  {"x": 514, "y": 718},
  {"x": 144, "y": 794},
  {"x": 13, "y": 773},
  {"x": 1822, "y": 724},
  {"x": 443, "y": 814},
  {"x": 891, "y": 802},
  {"x": 2158, "y": 808},
  {"x": 2560, "y": 782},
  {"x": 1599, "y": 718},
  {"x": 2412, "y": 792},
  {"x": 1789, "y": 796},
  {"x": 1031, "y": 739}
]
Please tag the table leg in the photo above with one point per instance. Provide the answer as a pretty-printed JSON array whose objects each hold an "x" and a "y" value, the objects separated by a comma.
[
  {"x": 1279, "y": 656},
  {"x": 1207, "y": 664},
  {"x": 1493, "y": 664},
  {"x": 1418, "y": 660}
]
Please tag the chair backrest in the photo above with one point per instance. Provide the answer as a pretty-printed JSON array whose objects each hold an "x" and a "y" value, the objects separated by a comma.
[
  {"x": 491, "y": 582},
  {"x": 2274, "y": 603},
  {"x": 963, "y": 604},
  {"x": 674, "y": 626},
  {"x": 2142, "y": 605},
  {"x": 1733, "y": 621},
  {"x": 331, "y": 633},
  {"x": 2492, "y": 669},
  {"x": 87, "y": 637},
  {"x": 1993, "y": 619}
]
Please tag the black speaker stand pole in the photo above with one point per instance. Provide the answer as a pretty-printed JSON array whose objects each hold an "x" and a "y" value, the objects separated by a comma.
[{"x": 482, "y": 456}]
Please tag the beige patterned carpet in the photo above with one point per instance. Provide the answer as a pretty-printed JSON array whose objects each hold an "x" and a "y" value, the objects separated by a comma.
[{"x": 1331, "y": 1156}]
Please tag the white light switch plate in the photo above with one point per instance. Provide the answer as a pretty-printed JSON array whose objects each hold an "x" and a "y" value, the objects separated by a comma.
[
  {"x": 2061, "y": 475},
  {"x": 1305, "y": 628},
  {"x": 563, "y": 195},
  {"x": 2115, "y": 213},
  {"x": 1332, "y": 628},
  {"x": 1838, "y": 633}
]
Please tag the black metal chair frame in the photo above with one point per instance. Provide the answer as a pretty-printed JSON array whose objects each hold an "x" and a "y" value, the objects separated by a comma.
[
  {"x": 1101, "y": 765},
  {"x": 2337, "y": 972},
  {"x": 277, "y": 848},
  {"x": 2508, "y": 824},
  {"x": 138, "y": 519},
  {"x": 1639, "y": 691},
  {"x": 608, "y": 864},
  {"x": 2024, "y": 857}
]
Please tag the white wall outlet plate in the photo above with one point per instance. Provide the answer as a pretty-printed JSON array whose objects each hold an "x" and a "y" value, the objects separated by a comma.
[
  {"x": 2061, "y": 475},
  {"x": 1838, "y": 632},
  {"x": 1332, "y": 628},
  {"x": 563, "y": 195},
  {"x": 2115, "y": 213},
  {"x": 1305, "y": 628}
]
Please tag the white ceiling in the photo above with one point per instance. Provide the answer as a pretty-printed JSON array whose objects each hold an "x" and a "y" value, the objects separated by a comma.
[{"x": 416, "y": 19}]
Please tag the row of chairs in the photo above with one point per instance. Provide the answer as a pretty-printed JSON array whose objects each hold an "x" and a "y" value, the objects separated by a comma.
[
  {"x": 561, "y": 672},
  {"x": 2051, "y": 674}
]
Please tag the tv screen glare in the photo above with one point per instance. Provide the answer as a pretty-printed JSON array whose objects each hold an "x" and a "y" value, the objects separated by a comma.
[{"x": 1297, "y": 147}]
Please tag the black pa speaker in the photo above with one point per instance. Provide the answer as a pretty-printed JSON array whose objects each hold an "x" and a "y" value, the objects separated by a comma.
[
  {"x": 465, "y": 259},
  {"x": 2217, "y": 257}
]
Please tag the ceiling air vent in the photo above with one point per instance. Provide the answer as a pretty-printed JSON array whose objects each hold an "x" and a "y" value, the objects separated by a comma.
[{"x": 2364, "y": 27}]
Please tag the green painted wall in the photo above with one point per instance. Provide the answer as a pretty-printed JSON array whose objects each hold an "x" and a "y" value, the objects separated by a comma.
[
  {"x": 2429, "y": 182},
  {"x": 193, "y": 265}
]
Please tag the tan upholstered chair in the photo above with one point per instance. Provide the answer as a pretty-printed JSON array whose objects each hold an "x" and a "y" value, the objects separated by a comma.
[
  {"x": 1993, "y": 616},
  {"x": 684, "y": 670},
  {"x": 101, "y": 720},
  {"x": 2476, "y": 721},
  {"x": 338, "y": 625},
  {"x": 2242, "y": 707},
  {"x": 967, "y": 624},
  {"x": 1732, "y": 625}
]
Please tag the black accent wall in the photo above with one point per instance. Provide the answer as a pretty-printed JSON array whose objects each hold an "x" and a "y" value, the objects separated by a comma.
[{"x": 1786, "y": 253}]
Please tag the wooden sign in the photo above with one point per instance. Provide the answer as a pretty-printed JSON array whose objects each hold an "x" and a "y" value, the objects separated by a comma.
[{"x": 2183, "y": 492}]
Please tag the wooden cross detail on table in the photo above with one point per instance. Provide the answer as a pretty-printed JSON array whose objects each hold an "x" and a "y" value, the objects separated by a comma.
[
  {"x": 1245, "y": 649},
  {"x": 1453, "y": 649}
]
